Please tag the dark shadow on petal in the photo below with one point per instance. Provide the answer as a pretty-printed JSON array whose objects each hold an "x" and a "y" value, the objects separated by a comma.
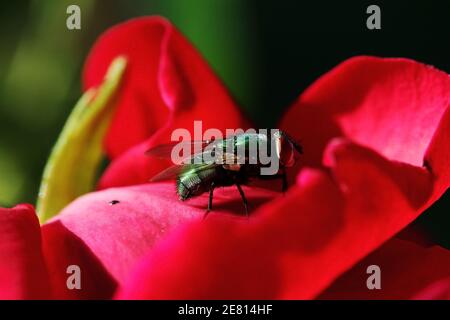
[{"x": 234, "y": 206}]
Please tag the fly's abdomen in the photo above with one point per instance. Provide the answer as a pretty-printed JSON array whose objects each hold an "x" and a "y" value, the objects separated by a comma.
[
  {"x": 194, "y": 183},
  {"x": 187, "y": 186}
]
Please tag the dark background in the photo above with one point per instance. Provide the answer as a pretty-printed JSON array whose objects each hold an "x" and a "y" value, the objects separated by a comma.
[{"x": 267, "y": 52}]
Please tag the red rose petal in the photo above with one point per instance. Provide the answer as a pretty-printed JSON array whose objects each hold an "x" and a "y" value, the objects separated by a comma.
[
  {"x": 133, "y": 167},
  {"x": 406, "y": 269},
  {"x": 393, "y": 106},
  {"x": 62, "y": 249},
  {"x": 373, "y": 195},
  {"x": 22, "y": 268},
  {"x": 234, "y": 259},
  {"x": 297, "y": 245},
  {"x": 141, "y": 110},
  {"x": 439, "y": 290},
  {"x": 167, "y": 85},
  {"x": 101, "y": 236},
  {"x": 437, "y": 157},
  {"x": 349, "y": 161},
  {"x": 294, "y": 246}
]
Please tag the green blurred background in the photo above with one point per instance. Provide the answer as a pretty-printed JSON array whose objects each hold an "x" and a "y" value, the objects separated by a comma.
[{"x": 267, "y": 52}]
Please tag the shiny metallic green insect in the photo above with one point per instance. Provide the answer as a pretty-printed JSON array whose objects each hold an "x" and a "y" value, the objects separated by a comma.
[{"x": 194, "y": 176}]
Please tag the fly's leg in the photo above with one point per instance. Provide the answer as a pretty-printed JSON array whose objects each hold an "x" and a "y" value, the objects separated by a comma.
[
  {"x": 244, "y": 200},
  {"x": 284, "y": 181},
  {"x": 210, "y": 200}
]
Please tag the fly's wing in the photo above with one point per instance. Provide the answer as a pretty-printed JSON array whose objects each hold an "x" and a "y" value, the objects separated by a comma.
[
  {"x": 177, "y": 170},
  {"x": 165, "y": 150},
  {"x": 235, "y": 149},
  {"x": 167, "y": 174},
  {"x": 217, "y": 153},
  {"x": 197, "y": 161}
]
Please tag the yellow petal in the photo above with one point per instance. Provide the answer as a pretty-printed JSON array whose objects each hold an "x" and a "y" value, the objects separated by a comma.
[{"x": 73, "y": 165}]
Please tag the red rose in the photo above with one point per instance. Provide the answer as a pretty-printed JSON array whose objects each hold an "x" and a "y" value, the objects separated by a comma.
[{"x": 375, "y": 133}]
